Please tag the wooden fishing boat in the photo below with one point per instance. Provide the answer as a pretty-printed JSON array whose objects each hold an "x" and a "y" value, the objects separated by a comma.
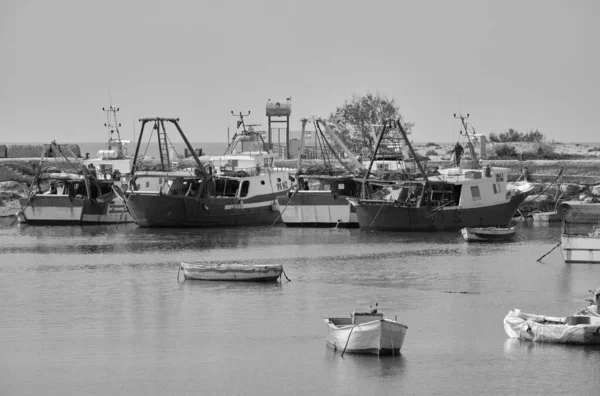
[
  {"x": 488, "y": 234},
  {"x": 319, "y": 199},
  {"x": 453, "y": 198},
  {"x": 580, "y": 248},
  {"x": 79, "y": 191},
  {"x": 231, "y": 272},
  {"x": 365, "y": 332},
  {"x": 577, "y": 329},
  {"x": 238, "y": 188}
]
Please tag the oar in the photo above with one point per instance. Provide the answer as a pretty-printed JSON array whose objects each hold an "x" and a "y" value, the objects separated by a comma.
[{"x": 549, "y": 252}]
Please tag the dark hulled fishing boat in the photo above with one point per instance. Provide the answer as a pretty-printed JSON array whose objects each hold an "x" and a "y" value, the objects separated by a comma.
[
  {"x": 451, "y": 199},
  {"x": 238, "y": 188}
]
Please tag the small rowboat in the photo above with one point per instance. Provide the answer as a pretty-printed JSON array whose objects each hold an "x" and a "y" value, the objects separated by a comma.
[
  {"x": 231, "y": 272},
  {"x": 577, "y": 329},
  {"x": 581, "y": 248},
  {"x": 367, "y": 333},
  {"x": 488, "y": 234}
]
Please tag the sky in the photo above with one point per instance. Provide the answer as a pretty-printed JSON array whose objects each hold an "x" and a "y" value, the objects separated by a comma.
[{"x": 526, "y": 65}]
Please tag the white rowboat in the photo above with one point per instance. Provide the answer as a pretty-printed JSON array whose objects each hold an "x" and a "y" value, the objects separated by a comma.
[
  {"x": 231, "y": 272},
  {"x": 568, "y": 330},
  {"x": 367, "y": 333},
  {"x": 487, "y": 234}
]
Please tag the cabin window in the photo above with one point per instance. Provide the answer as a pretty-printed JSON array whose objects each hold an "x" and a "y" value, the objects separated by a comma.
[
  {"x": 327, "y": 187},
  {"x": 245, "y": 188},
  {"x": 266, "y": 162},
  {"x": 271, "y": 160},
  {"x": 341, "y": 186},
  {"x": 497, "y": 188},
  {"x": 147, "y": 184},
  {"x": 499, "y": 177},
  {"x": 226, "y": 187},
  {"x": 262, "y": 182},
  {"x": 475, "y": 193}
]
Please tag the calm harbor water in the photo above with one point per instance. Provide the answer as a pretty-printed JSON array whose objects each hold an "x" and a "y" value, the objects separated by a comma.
[{"x": 96, "y": 310}]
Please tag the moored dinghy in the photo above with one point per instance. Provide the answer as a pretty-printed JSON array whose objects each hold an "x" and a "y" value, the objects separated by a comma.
[
  {"x": 365, "y": 332},
  {"x": 580, "y": 248},
  {"x": 488, "y": 234},
  {"x": 577, "y": 329},
  {"x": 231, "y": 272}
]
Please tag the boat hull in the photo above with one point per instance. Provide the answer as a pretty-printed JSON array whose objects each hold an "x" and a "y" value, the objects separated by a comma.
[
  {"x": 153, "y": 210},
  {"x": 379, "y": 337},
  {"x": 65, "y": 210},
  {"x": 232, "y": 272},
  {"x": 492, "y": 234},
  {"x": 386, "y": 216},
  {"x": 580, "y": 248},
  {"x": 538, "y": 328},
  {"x": 317, "y": 209}
]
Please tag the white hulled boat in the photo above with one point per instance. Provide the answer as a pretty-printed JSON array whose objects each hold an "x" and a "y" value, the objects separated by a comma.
[
  {"x": 79, "y": 191},
  {"x": 365, "y": 332},
  {"x": 580, "y": 248}
]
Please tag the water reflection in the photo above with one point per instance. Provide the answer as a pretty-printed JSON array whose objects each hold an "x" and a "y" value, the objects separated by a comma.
[
  {"x": 515, "y": 348},
  {"x": 358, "y": 365}
]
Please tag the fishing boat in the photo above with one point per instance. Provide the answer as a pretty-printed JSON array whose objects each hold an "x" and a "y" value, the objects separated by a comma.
[
  {"x": 319, "y": 199},
  {"x": 488, "y": 234},
  {"x": 366, "y": 333},
  {"x": 452, "y": 198},
  {"x": 79, "y": 191},
  {"x": 238, "y": 188},
  {"x": 580, "y": 248},
  {"x": 576, "y": 329},
  {"x": 231, "y": 272}
]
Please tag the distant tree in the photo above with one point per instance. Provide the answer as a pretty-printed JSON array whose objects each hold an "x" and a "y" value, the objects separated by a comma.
[
  {"x": 359, "y": 118},
  {"x": 512, "y": 135}
]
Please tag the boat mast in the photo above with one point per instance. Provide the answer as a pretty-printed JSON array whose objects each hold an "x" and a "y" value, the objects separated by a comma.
[
  {"x": 398, "y": 125},
  {"x": 301, "y": 154},
  {"x": 474, "y": 160},
  {"x": 112, "y": 125},
  {"x": 158, "y": 122},
  {"x": 241, "y": 123},
  {"x": 345, "y": 149}
]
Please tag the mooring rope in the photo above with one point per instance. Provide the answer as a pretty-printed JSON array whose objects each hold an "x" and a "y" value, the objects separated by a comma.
[
  {"x": 550, "y": 185},
  {"x": 374, "y": 218},
  {"x": 348, "y": 339},
  {"x": 286, "y": 205},
  {"x": 551, "y": 250}
]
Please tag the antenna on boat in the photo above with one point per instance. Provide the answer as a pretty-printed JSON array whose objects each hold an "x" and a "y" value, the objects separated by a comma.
[
  {"x": 241, "y": 120},
  {"x": 474, "y": 160},
  {"x": 112, "y": 125},
  {"x": 239, "y": 123}
]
